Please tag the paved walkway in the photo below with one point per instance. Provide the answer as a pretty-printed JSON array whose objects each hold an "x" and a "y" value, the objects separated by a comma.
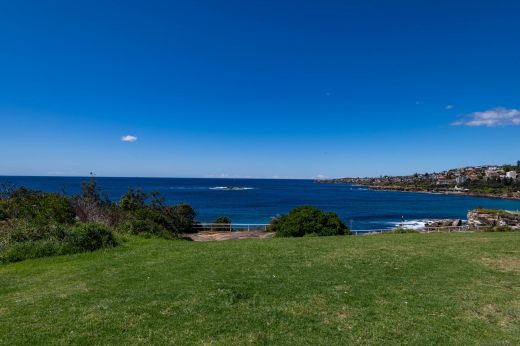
[{"x": 212, "y": 235}]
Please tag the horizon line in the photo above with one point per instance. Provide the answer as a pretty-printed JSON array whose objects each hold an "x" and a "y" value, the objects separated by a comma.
[{"x": 145, "y": 177}]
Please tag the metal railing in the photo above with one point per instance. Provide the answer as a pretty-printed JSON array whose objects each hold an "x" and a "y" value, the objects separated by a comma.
[
  {"x": 464, "y": 228},
  {"x": 443, "y": 229},
  {"x": 236, "y": 227}
]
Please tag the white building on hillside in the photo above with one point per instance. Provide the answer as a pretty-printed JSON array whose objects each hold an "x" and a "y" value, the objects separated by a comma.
[
  {"x": 494, "y": 173},
  {"x": 511, "y": 174}
]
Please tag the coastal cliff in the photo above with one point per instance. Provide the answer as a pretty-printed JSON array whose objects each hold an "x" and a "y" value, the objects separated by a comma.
[
  {"x": 484, "y": 181},
  {"x": 493, "y": 218}
]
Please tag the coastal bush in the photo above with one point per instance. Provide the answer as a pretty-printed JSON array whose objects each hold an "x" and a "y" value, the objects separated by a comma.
[
  {"x": 21, "y": 240},
  {"x": 403, "y": 231},
  {"x": 133, "y": 200},
  {"x": 20, "y": 230},
  {"x": 164, "y": 221},
  {"x": 225, "y": 223},
  {"x": 89, "y": 237},
  {"x": 3, "y": 210},
  {"x": 91, "y": 205},
  {"x": 145, "y": 227},
  {"x": 35, "y": 224},
  {"x": 307, "y": 220},
  {"x": 33, "y": 249},
  {"x": 498, "y": 229},
  {"x": 38, "y": 207},
  {"x": 184, "y": 216},
  {"x": 222, "y": 219},
  {"x": 491, "y": 211}
]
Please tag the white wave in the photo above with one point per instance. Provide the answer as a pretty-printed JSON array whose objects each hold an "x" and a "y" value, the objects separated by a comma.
[
  {"x": 230, "y": 188},
  {"x": 410, "y": 224}
]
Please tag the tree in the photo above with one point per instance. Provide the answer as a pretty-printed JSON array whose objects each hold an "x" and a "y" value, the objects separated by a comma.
[
  {"x": 307, "y": 220},
  {"x": 37, "y": 207},
  {"x": 157, "y": 200},
  {"x": 91, "y": 191},
  {"x": 224, "y": 223},
  {"x": 133, "y": 199},
  {"x": 91, "y": 205}
]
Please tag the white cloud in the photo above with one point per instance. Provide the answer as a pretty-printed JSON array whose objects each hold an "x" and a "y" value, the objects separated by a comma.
[
  {"x": 491, "y": 118},
  {"x": 228, "y": 176},
  {"x": 321, "y": 176},
  {"x": 129, "y": 138},
  {"x": 448, "y": 107}
]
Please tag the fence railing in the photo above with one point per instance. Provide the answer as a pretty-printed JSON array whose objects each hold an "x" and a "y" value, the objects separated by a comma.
[
  {"x": 464, "y": 228},
  {"x": 236, "y": 227},
  {"x": 230, "y": 227},
  {"x": 445, "y": 229}
]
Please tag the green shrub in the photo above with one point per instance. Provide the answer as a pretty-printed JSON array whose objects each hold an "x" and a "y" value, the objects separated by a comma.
[
  {"x": 491, "y": 211},
  {"x": 92, "y": 205},
  {"x": 22, "y": 240},
  {"x": 20, "y": 231},
  {"x": 308, "y": 220},
  {"x": 32, "y": 249},
  {"x": 89, "y": 237},
  {"x": 403, "y": 231},
  {"x": 38, "y": 207},
  {"x": 498, "y": 229},
  {"x": 133, "y": 200},
  {"x": 145, "y": 227},
  {"x": 183, "y": 218},
  {"x": 225, "y": 223},
  {"x": 55, "y": 208},
  {"x": 3, "y": 210},
  {"x": 222, "y": 219}
]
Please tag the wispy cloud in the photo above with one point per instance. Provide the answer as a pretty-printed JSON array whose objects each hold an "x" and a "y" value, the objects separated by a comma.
[
  {"x": 491, "y": 118},
  {"x": 448, "y": 107},
  {"x": 321, "y": 176},
  {"x": 129, "y": 138},
  {"x": 228, "y": 176}
]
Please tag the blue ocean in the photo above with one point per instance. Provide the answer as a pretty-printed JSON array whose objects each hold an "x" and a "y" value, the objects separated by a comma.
[{"x": 258, "y": 200}]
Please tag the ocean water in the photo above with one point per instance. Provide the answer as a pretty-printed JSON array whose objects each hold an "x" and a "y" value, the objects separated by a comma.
[{"x": 258, "y": 200}]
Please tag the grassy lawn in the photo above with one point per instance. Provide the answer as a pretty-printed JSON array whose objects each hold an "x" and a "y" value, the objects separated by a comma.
[{"x": 392, "y": 289}]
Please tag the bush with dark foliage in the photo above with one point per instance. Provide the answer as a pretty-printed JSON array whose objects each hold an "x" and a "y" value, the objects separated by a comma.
[
  {"x": 144, "y": 227},
  {"x": 38, "y": 207},
  {"x": 224, "y": 224},
  {"x": 308, "y": 221},
  {"x": 35, "y": 224},
  {"x": 498, "y": 229},
  {"x": 403, "y": 231},
  {"x": 21, "y": 240}
]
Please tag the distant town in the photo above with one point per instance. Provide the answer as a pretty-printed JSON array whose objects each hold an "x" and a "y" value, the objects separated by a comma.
[{"x": 489, "y": 180}]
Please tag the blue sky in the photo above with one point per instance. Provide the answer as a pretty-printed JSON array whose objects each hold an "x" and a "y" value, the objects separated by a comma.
[{"x": 257, "y": 89}]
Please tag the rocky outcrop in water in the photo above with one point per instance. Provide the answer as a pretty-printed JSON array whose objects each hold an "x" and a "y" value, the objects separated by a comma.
[
  {"x": 444, "y": 223},
  {"x": 494, "y": 218}
]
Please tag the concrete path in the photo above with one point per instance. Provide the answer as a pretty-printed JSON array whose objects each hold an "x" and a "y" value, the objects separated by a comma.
[{"x": 212, "y": 235}]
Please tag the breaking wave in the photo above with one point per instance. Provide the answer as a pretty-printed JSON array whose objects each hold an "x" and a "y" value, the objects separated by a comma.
[{"x": 230, "y": 188}]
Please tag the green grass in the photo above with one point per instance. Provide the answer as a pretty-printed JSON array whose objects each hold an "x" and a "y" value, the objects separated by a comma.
[
  {"x": 492, "y": 211},
  {"x": 497, "y": 211},
  {"x": 387, "y": 289}
]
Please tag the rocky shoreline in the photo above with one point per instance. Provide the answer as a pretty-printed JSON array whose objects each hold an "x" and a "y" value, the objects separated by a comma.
[
  {"x": 493, "y": 218},
  {"x": 478, "y": 219},
  {"x": 397, "y": 188},
  {"x": 515, "y": 196}
]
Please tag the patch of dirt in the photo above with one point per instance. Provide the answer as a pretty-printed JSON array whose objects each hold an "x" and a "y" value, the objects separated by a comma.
[
  {"x": 506, "y": 264},
  {"x": 211, "y": 235},
  {"x": 504, "y": 316}
]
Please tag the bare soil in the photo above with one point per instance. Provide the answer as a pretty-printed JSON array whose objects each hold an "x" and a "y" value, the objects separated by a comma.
[{"x": 213, "y": 235}]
